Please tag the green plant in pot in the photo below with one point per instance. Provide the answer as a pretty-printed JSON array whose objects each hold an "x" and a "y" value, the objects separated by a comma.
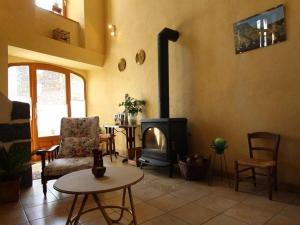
[
  {"x": 132, "y": 106},
  {"x": 219, "y": 145},
  {"x": 13, "y": 163}
]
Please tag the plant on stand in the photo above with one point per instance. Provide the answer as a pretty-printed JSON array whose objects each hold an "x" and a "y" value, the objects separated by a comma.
[
  {"x": 132, "y": 108},
  {"x": 219, "y": 145}
]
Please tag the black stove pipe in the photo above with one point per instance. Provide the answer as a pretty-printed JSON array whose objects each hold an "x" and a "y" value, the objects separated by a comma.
[{"x": 164, "y": 36}]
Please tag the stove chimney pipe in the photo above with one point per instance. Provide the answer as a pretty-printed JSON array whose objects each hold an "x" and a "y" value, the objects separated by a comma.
[{"x": 164, "y": 36}]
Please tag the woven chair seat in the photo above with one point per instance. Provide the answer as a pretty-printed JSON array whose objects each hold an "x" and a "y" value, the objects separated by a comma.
[{"x": 260, "y": 163}]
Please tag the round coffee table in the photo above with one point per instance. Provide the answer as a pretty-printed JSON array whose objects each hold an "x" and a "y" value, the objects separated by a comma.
[{"x": 84, "y": 183}]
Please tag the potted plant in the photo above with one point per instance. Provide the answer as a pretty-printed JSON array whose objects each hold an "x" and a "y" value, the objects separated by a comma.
[
  {"x": 13, "y": 163},
  {"x": 132, "y": 107},
  {"x": 56, "y": 8},
  {"x": 219, "y": 145}
]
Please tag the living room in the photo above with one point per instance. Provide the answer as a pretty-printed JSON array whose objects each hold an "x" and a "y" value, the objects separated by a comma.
[{"x": 219, "y": 92}]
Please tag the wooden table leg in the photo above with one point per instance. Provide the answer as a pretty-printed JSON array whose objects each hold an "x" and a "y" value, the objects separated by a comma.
[
  {"x": 109, "y": 221},
  {"x": 132, "y": 206},
  {"x": 81, "y": 209},
  {"x": 270, "y": 181},
  {"x": 71, "y": 210},
  {"x": 130, "y": 140},
  {"x": 111, "y": 143},
  {"x": 123, "y": 205},
  {"x": 226, "y": 171},
  {"x": 130, "y": 137},
  {"x": 211, "y": 169},
  {"x": 106, "y": 217}
]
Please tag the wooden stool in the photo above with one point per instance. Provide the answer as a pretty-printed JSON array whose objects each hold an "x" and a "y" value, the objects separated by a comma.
[{"x": 109, "y": 140}]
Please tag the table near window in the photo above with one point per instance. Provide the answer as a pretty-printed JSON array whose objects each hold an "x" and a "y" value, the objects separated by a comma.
[{"x": 127, "y": 130}]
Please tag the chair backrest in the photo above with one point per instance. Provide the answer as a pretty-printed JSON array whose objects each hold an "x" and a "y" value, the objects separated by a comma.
[
  {"x": 79, "y": 136},
  {"x": 269, "y": 142}
]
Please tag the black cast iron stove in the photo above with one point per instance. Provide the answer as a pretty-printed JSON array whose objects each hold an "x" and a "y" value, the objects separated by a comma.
[{"x": 164, "y": 139}]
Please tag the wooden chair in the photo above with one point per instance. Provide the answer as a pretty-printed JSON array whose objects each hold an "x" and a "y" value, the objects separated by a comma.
[
  {"x": 78, "y": 138},
  {"x": 252, "y": 163}
]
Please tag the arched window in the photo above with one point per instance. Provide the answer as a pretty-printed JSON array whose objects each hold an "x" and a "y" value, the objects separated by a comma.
[
  {"x": 53, "y": 92},
  {"x": 56, "y": 6}
]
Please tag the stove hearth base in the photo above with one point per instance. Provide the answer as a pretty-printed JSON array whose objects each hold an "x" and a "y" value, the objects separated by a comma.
[{"x": 146, "y": 161}]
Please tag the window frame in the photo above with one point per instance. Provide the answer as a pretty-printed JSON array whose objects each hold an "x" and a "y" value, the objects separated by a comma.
[
  {"x": 41, "y": 142},
  {"x": 64, "y": 9}
]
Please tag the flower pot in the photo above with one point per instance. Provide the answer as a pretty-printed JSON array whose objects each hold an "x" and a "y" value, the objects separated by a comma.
[
  {"x": 9, "y": 191},
  {"x": 55, "y": 8},
  {"x": 132, "y": 119}
]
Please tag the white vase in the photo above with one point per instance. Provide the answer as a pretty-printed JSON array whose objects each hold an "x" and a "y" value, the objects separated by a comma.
[{"x": 132, "y": 119}]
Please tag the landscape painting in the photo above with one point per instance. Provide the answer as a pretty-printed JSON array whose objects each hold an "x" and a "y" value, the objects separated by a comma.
[{"x": 260, "y": 31}]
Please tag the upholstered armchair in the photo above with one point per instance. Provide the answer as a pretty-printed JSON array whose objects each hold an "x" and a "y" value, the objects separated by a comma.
[
  {"x": 78, "y": 137},
  {"x": 15, "y": 130}
]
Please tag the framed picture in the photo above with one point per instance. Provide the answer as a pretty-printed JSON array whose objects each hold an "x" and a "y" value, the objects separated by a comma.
[{"x": 261, "y": 30}]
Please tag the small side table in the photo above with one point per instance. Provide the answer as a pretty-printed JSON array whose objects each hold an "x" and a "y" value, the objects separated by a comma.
[
  {"x": 109, "y": 140},
  {"x": 127, "y": 130},
  {"x": 222, "y": 167}
]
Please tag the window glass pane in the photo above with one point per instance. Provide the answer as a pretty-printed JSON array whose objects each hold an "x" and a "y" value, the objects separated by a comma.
[
  {"x": 77, "y": 96},
  {"x": 18, "y": 84},
  {"x": 77, "y": 87},
  {"x": 78, "y": 108},
  {"x": 51, "y": 102},
  {"x": 55, "y": 6}
]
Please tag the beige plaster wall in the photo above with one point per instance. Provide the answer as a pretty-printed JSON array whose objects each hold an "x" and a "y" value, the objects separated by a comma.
[
  {"x": 20, "y": 19},
  {"x": 46, "y": 22},
  {"x": 3, "y": 70},
  {"x": 17, "y": 13},
  {"x": 17, "y": 29},
  {"x": 75, "y": 11},
  {"x": 6, "y": 107},
  {"x": 90, "y": 15},
  {"x": 94, "y": 25},
  {"x": 221, "y": 93}
]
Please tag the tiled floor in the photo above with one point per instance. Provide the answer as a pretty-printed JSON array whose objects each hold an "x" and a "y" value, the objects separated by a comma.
[{"x": 160, "y": 200}]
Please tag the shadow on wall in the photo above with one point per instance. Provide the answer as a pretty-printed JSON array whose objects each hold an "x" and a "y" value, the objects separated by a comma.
[
  {"x": 184, "y": 85},
  {"x": 182, "y": 67},
  {"x": 207, "y": 132},
  {"x": 285, "y": 167}
]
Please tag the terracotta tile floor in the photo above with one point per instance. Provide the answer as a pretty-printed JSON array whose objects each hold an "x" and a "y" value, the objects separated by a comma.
[{"x": 160, "y": 200}]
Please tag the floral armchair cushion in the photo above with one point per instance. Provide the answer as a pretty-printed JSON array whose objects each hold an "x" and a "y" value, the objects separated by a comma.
[
  {"x": 79, "y": 127},
  {"x": 79, "y": 136},
  {"x": 77, "y": 147}
]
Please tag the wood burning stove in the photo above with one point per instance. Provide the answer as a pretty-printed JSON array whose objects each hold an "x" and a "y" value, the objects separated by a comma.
[{"x": 163, "y": 139}]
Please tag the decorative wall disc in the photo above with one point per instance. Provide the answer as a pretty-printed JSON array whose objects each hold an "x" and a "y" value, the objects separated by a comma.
[
  {"x": 122, "y": 64},
  {"x": 140, "y": 57}
]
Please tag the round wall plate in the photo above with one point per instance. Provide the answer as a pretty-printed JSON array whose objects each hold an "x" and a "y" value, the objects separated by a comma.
[
  {"x": 140, "y": 57},
  {"x": 122, "y": 64}
]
